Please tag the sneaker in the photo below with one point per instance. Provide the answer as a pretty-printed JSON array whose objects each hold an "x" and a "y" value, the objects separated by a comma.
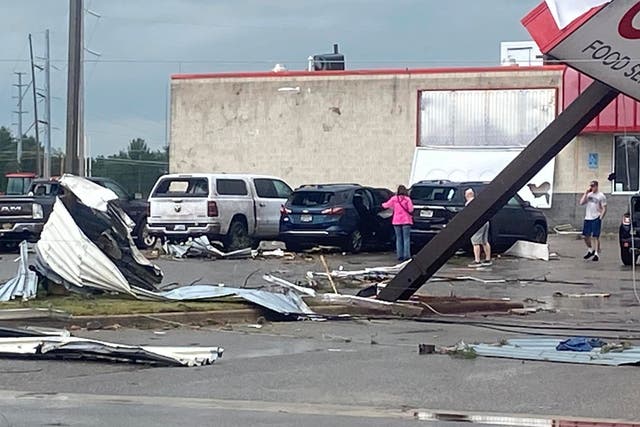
[
  {"x": 596, "y": 258},
  {"x": 475, "y": 264},
  {"x": 487, "y": 263},
  {"x": 589, "y": 254}
]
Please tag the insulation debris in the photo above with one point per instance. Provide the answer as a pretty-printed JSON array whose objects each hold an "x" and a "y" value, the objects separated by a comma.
[
  {"x": 67, "y": 347},
  {"x": 544, "y": 349},
  {"x": 25, "y": 283},
  {"x": 201, "y": 247},
  {"x": 529, "y": 250}
]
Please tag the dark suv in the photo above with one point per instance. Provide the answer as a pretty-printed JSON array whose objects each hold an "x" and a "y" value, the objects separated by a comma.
[
  {"x": 346, "y": 215},
  {"x": 630, "y": 248},
  {"x": 437, "y": 202}
]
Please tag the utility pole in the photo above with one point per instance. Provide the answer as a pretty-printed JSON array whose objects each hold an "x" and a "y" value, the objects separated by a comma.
[
  {"x": 47, "y": 106},
  {"x": 19, "y": 112},
  {"x": 74, "y": 76},
  {"x": 35, "y": 108}
]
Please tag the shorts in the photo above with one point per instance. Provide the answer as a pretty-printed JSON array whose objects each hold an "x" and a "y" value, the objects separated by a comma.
[
  {"x": 481, "y": 237},
  {"x": 592, "y": 227}
]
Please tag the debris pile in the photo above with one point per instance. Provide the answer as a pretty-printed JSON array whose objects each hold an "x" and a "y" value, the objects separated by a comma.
[
  {"x": 201, "y": 247},
  {"x": 59, "y": 344}
]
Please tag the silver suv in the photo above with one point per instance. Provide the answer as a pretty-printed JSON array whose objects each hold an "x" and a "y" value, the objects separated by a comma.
[{"x": 235, "y": 209}]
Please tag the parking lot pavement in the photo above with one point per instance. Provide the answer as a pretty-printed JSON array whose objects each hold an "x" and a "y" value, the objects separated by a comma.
[
  {"x": 363, "y": 364},
  {"x": 535, "y": 281}
]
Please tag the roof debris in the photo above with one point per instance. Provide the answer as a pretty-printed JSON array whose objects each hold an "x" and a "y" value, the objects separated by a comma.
[{"x": 25, "y": 283}]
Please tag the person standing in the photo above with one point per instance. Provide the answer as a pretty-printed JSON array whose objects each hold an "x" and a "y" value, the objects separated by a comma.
[
  {"x": 596, "y": 208},
  {"x": 480, "y": 240},
  {"x": 402, "y": 221}
]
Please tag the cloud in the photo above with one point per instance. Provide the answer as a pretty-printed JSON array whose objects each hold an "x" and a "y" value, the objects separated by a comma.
[{"x": 142, "y": 43}]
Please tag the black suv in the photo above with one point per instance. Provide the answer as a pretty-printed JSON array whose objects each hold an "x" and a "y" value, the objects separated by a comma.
[
  {"x": 346, "y": 215},
  {"x": 627, "y": 244},
  {"x": 437, "y": 202}
]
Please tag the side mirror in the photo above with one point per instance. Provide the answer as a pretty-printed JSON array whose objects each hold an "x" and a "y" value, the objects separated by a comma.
[{"x": 137, "y": 196}]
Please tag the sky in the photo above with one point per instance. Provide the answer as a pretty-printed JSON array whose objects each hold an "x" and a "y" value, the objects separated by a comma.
[{"x": 142, "y": 42}]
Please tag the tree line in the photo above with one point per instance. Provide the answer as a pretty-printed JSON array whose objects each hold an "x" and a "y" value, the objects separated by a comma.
[{"x": 136, "y": 167}]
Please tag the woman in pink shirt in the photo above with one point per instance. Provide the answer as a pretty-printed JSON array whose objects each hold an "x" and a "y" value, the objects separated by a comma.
[{"x": 402, "y": 221}]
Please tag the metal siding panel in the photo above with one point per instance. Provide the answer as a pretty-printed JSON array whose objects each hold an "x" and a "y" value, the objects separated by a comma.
[{"x": 485, "y": 118}]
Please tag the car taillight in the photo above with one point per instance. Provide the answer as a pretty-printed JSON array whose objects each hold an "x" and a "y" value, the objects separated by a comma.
[
  {"x": 333, "y": 211},
  {"x": 212, "y": 208},
  {"x": 284, "y": 211}
]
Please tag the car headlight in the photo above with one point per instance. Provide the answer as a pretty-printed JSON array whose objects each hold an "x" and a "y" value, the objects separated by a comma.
[{"x": 37, "y": 211}]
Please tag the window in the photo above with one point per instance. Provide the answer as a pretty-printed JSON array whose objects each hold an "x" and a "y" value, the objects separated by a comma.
[
  {"x": 311, "y": 199},
  {"x": 429, "y": 193},
  {"x": 120, "y": 192},
  {"x": 231, "y": 187},
  {"x": 514, "y": 202},
  {"x": 272, "y": 189},
  {"x": 182, "y": 187},
  {"x": 627, "y": 162}
]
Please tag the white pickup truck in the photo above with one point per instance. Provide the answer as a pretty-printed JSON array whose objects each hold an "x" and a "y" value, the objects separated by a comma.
[{"x": 235, "y": 209}]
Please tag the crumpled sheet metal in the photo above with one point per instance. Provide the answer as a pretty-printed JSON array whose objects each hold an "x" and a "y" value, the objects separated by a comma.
[
  {"x": 65, "y": 347},
  {"x": 286, "y": 303},
  {"x": 25, "y": 283},
  {"x": 544, "y": 350},
  {"x": 202, "y": 247},
  {"x": 90, "y": 194},
  {"x": 373, "y": 271},
  {"x": 68, "y": 252}
]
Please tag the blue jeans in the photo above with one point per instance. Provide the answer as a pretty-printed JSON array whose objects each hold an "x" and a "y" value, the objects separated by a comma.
[{"x": 403, "y": 241}]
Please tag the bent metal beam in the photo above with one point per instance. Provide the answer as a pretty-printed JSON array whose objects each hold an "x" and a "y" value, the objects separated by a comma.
[{"x": 524, "y": 167}]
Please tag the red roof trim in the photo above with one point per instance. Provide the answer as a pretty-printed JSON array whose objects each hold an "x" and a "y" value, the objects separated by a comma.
[{"x": 372, "y": 72}]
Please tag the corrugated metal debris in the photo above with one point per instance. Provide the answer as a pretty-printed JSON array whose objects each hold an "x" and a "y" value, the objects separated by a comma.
[
  {"x": 286, "y": 302},
  {"x": 86, "y": 243},
  {"x": 529, "y": 250},
  {"x": 25, "y": 283},
  {"x": 72, "y": 348},
  {"x": 544, "y": 349}
]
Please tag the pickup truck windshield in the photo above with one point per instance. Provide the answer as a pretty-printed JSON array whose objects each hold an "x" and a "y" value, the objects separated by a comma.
[
  {"x": 432, "y": 193},
  {"x": 182, "y": 187},
  {"x": 311, "y": 198}
]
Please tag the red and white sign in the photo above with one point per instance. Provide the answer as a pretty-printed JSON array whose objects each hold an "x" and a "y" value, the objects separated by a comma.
[{"x": 603, "y": 43}]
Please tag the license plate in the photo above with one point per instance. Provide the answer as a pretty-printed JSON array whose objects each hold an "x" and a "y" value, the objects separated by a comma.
[
  {"x": 7, "y": 226},
  {"x": 306, "y": 218},
  {"x": 179, "y": 227},
  {"x": 426, "y": 214}
]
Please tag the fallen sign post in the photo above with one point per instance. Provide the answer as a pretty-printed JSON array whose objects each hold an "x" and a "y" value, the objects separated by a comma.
[
  {"x": 520, "y": 171},
  {"x": 582, "y": 39}
]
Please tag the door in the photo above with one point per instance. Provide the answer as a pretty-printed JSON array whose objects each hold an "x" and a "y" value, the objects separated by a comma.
[
  {"x": 179, "y": 200},
  {"x": 510, "y": 223},
  {"x": 271, "y": 195},
  {"x": 364, "y": 203}
]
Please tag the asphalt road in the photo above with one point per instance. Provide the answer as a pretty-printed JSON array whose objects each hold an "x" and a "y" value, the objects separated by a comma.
[{"x": 344, "y": 373}]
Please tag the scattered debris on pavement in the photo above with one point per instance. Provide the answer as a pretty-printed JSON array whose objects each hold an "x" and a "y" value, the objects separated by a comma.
[
  {"x": 25, "y": 314},
  {"x": 55, "y": 344},
  {"x": 529, "y": 250},
  {"x": 584, "y": 295},
  {"x": 566, "y": 229},
  {"x": 25, "y": 283},
  {"x": 201, "y": 247},
  {"x": 545, "y": 349}
]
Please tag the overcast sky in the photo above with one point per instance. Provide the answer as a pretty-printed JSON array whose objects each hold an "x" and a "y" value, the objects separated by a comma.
[{"x": 142, "y": 42}]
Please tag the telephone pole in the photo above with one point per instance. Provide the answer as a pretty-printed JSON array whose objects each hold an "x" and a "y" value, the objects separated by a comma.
[
  {"x": 19, "y": 112},
  {"x": 35, "y": 108},
  {"x": 47, "y": 106},
  {"x": 74, "y": 77}
]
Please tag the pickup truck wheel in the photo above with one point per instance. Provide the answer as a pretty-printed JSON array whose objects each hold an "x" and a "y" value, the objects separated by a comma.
[
  {"x": 237, "y": 237},
  {"x": 353, "y": 243},
  {"x": 143, "y": 239}
]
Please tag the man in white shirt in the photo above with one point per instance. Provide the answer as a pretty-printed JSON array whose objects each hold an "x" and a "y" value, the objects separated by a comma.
[{"x": 596, "y": 208}]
